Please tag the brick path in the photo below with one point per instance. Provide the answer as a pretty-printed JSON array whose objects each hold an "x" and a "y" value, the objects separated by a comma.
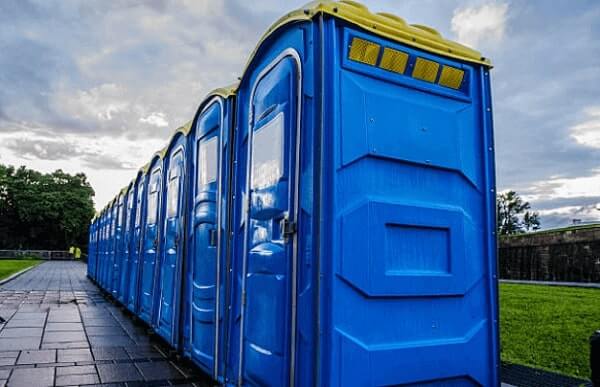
[{"x": 59, "y": 330}]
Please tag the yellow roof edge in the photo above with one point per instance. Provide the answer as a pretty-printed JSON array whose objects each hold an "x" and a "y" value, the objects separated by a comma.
[
  {"x": 224, "y": 92},
  {"x": 144, "y": 168},
  {"x": 382, "y": 24},
  {"x": 184, "y": 129}
]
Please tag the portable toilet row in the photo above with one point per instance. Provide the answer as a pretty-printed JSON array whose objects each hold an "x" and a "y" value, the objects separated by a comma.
[{"x": 327, "y": 221}]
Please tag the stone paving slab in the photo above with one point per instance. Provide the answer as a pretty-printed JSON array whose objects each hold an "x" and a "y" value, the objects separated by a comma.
[{"x": 60, "y": 330}]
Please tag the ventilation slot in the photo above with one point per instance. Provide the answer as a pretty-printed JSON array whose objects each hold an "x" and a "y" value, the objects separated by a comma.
[
  {"x": 425, "y": 70},
  {"x": 393, "y": 60},
  {"x": 364, "y": 51},
  {"x": 451, "y": 77}
]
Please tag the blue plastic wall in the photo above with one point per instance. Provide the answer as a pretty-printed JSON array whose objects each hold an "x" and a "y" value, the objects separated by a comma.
[
  {"x": 339, "y": 223},
  {"x": 410, "y": 217}
]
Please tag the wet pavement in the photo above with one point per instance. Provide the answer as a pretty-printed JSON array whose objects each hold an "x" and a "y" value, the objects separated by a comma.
[{"x": 58, "y": 329}]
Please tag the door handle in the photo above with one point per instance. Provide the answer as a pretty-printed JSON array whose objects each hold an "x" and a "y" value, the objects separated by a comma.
[{"x": 212, "y": 237}]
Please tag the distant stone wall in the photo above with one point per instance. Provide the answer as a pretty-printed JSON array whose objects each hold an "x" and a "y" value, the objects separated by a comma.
[{"x": 569, "y": 254}]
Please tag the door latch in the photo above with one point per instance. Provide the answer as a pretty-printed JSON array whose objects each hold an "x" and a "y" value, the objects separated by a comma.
[{"x": 288, "y": 228}]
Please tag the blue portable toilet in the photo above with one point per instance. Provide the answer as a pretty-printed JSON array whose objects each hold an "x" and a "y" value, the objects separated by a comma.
[
  {"x": 151, "y": 239},
  {"x": 169, "y": 283},
  {"x": 126, "y": 251},
  {"x": 208, "y": 217},
  {"x": 363, "y": 233},
  {"x": 137, "y": 240}
]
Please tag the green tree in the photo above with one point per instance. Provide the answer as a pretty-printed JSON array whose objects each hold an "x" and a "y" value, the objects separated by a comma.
[
  {"x": 514, "y": 215},
  {"x": 44, "y": 211}
]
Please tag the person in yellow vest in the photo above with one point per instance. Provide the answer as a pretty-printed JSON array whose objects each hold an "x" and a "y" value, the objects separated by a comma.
[{"x": 77, "y": 253}]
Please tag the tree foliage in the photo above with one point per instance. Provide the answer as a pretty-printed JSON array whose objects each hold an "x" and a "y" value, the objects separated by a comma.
[
  {"x": 514, "y": 215},
  {"x": 44, "y": 211}
]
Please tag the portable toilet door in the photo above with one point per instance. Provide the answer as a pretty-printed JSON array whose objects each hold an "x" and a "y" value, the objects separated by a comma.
[
  {"x": 127, "y": 238},
  {"x": 118, "y": 255},
  {"x": 108, "y": 267},
  {"x": 133, "y": 293},
  {"x": 90, "y": 263},
  {"x": 269, "y": 111},
  {"x": 152, "y": 226},
  {"x": 207, "y": 218},
  {"x": 173, "y": 237},
  {"x": 110, "y": 247},
  {"x": 105, "y": 261},
  {"x": 105, "y": 246},
  {"x": 93, "y": 257},
  {"x": 100, "y": 252}
]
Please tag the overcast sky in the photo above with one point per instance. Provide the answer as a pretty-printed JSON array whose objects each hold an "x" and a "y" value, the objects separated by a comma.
[{"x": 99, "y": 86}]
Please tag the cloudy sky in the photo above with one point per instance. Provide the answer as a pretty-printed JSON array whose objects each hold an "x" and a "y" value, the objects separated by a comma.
[{"x": 98, "y": 86}]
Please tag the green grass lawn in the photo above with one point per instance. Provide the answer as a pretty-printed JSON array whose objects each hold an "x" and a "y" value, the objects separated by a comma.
[
  {"x": 11, "y": 266},
  {"x": 548, "y": 326}
]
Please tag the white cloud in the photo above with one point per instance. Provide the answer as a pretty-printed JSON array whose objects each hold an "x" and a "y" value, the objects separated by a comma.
[
  {"x": 564, "y": 187},
  {"x": 157, "y": 119},
  {"x": 587, "y": 133},
  {"x": 484, "y": 23},
  {"x": 109, "y": 162}
]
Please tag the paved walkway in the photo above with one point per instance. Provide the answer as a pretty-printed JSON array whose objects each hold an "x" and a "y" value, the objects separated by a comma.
[
  {"x": 57, "y": 329},
  {"x": 594, "y": 285}
]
